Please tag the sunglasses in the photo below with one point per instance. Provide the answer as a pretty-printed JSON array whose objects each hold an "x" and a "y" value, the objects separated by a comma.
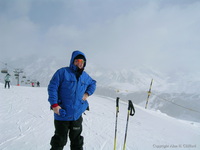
[{"x": 79, "y": 61}]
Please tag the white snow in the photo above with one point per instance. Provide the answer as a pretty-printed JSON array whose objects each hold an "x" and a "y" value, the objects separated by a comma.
[{"x": 27, "y": 124}]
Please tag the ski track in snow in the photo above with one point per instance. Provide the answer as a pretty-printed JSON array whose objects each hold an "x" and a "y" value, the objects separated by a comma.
[{"x": 27, "y": 124}]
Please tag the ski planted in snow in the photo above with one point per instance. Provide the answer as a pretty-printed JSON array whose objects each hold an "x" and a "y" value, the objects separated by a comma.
[{"x": 149, "y": 93}]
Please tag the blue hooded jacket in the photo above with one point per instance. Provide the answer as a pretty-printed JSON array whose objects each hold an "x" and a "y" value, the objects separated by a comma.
[{"x": 67, "y": 91}]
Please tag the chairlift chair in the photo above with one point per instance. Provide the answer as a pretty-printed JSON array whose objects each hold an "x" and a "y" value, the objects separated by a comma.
[
  {"x": 4, "y": 71},
  {"x": 17, "y": 75}
]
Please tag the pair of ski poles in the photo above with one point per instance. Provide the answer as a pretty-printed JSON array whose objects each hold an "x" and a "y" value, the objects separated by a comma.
[{"x": 131, "y": 112}]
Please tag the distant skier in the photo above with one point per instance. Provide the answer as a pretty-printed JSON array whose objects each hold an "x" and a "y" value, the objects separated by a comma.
[
  {"x": 68, "y": 91},
  {"x": 33, "y": 84},
  {"x": 7, "y": 80},
  {"x": 38, "y": 84}
]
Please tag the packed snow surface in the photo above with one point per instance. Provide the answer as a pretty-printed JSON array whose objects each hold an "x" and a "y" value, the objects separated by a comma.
[{"x": 27, "y": 124}]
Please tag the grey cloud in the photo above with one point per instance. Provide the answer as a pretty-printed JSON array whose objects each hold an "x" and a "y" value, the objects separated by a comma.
[{"x": 114, "y": 34}]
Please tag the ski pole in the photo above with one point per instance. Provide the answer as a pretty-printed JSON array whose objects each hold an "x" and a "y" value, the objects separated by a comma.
[
  {"x": 131, "y": 111},
  {"x": 117, "y": 111}
]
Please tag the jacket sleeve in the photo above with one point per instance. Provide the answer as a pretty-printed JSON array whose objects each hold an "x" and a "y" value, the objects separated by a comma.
[
  {"x": 53, "y": 88},
  {"x": 91, "y": 87}
]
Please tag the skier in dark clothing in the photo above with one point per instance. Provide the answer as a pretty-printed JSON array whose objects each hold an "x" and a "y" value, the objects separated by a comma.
[
  {"x": 38, "y": 84},
  {"x": 7, "y": 80},
  {"x": 68, "y": 91}
]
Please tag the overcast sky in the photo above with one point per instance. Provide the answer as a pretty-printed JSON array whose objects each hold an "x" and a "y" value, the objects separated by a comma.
[{"x": 163, "y": 34}]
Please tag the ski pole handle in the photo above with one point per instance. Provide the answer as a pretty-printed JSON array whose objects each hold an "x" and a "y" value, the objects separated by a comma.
[
  {"x": 117, "y": 102},
  {"x": 131, "y": 108}
]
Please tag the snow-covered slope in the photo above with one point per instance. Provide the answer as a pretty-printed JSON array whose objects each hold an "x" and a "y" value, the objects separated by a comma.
[{"x": 27, "y": 124}]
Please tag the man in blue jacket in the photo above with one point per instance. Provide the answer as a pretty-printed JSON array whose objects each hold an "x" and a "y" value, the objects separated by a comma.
[{"x": 68, "y": 91}]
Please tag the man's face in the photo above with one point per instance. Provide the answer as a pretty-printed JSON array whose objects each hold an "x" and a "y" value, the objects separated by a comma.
[{"x": 79, "y": 63}]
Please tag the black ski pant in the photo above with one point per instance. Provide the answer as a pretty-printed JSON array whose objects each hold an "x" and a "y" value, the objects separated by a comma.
[
  {"x": 62, "y": 128},
  {"x": 7, "y": 83}
]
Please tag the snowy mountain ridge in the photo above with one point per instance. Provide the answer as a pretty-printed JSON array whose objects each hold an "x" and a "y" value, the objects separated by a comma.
[
  {"x": 168, "y": 92},
  {"x": 132, "y": 79}
]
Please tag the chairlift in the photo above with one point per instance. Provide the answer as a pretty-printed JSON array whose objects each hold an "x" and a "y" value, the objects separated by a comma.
[
  {"x": 4, "y": 70},
  {"x": 18, "y": 71},
  {"x": 17, "y": 75}
]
